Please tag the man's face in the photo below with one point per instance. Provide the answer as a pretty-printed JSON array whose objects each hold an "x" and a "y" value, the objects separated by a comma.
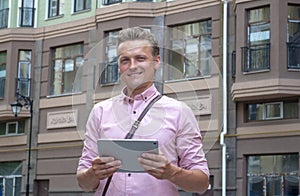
[{"x": 137, "y": 64}]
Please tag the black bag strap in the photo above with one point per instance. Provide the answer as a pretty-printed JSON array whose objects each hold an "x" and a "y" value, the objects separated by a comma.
[{"x": 132, "y": 132}]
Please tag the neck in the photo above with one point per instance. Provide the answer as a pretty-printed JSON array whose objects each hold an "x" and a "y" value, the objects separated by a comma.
[{"x": 138, "y": 90}]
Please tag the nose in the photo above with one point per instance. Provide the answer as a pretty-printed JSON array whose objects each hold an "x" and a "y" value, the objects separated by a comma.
[{"x": 133, "y": 63}]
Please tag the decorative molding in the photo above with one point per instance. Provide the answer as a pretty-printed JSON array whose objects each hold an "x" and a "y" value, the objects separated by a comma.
[
  {"x": 62, "y": 119},
  {"x": 200, "y": 105}
]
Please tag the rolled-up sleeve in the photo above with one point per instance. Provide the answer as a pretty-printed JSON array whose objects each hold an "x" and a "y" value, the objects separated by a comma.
[
  {"x": 90, "y": 150},
  {"x": 189, "y": 143}
]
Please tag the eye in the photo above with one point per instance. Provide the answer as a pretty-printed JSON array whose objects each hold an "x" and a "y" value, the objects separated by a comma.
[
  {"x": 141, "y": 58},
  {"x": 124, "y": 61}
]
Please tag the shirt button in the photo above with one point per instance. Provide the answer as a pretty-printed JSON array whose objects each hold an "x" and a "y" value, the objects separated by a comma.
[
  {"x": 129, "y": 174},
  {"x": 134, "y": 112}
]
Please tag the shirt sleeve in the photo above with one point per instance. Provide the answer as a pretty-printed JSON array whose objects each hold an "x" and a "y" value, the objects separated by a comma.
[
  {"x": 90, "y": 149},
  {"x": 189, "y": 142}
]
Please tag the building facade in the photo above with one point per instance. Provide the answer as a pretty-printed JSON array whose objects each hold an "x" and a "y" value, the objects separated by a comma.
[{"x": 61, "y": 56}]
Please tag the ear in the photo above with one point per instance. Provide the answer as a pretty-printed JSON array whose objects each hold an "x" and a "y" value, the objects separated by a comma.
[{"x": 156, "y": 62}]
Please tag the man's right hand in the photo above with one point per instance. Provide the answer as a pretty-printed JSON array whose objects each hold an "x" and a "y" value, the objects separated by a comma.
[{"x": 103, "y": 167}]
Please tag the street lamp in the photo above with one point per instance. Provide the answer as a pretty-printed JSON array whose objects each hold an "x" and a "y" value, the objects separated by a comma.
[{"x": 16, "y": 107}]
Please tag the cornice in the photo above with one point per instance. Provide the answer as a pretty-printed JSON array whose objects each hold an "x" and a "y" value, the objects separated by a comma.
[
  {"x": 135, "y": 9},
  {"x": 47, "y": 32}
]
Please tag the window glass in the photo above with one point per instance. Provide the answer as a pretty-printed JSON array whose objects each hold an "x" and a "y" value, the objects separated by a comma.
[
  {"x": 12, "y": 128},
  {"x": 10, "y": 178},
  {"x": 24, "y": 72},
  {"x": 273, "y": 175},
  {"x": 108, "y": 2},
  {"x": 293, "y": 36},
  {"x": 56, "y": 8},
  {"x": 256, "y": 55},
  {"x": 273, "y": 110},
  {"x": 190, "y": 50},
  {"x": 82, "y": 5},
  {"x": 2, "y": 73},
  {"x": 66, "y": 62},
  {"x": 110, "y": 73}
]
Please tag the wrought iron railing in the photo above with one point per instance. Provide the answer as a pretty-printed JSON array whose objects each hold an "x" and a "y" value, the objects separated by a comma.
[
  {"x": 233, "y": 64},
  {"x": 109, "y": 2},
  {"x": 4, "y": 18},
  {"x": 23, "y": 86},
  {"x": 293, "y": 55},
  {"x": 256, "y": 58},
  {"x": 2, "y": 87},
  {"x": 27, "y": 16}
]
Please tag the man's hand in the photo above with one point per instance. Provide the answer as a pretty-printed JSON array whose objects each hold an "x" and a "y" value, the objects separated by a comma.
[
  {"x": 103, "y": 167},
  {"x": 158, "y": 166}
]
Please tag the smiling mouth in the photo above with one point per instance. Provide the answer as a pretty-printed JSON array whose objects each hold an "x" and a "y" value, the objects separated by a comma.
[{"x": 134, "y": 74}]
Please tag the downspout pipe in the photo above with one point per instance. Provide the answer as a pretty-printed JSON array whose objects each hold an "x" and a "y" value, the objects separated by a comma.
[{"x": 224, "y": 131}]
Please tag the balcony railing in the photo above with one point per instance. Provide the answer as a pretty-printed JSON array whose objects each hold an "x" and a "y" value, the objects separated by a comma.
[
  {"x": 109, "y": 2},
  {"x": 27, "y": 16},
  {"x": 233, "y": 64},
  {"x": 2, "y": 87},
  {"x": 4, "y": 18},
  {"x": 256, "y": 58},
  {"x": 293, "y": 55},
  {"x": 23, "y": 86}
]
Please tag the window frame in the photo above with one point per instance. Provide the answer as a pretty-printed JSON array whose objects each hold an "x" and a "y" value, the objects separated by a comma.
[
  {"x": 24, "y": 78},
  {"x": 86, "y": 5},
  {"x": 256, "y": 54},
  {"x": 264, "y": 113},
  {"x": 293, "y": 48},
  {"x": 109, "y": 69},
  {"x": 59, "y": 8},
  {"x": 17, "y": 130},
  {"x": 110, "y": 2},
  {"x": 62, "y": 73},
  {"x": 257, "y": 170},
  {"x": 3, "y": 78},
  {"x": 197, "y": 68}
]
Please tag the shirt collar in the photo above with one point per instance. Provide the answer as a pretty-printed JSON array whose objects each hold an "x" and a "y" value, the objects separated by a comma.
[{"x": 145, "y": 96}]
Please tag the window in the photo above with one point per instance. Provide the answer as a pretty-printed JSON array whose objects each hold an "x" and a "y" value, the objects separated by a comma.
[
  {"x": 12, "y": 128},
  {"x": 273, "y": 110},
  {"x": 10, "y": 178},
  {"x": 27, "y": 13},
  {"x": 81, "y": 5},
  {"x": 2, "y": 73},
  {"x": 56, "y": 8},
  {"x": 4, "y": 13},
  {"x": 256, "y": 55},
  {"x": 24, "y": 72},
  {"x": 109, "y": 2},
  {"x": 66, "y": 62},
  {"x": 273, "y": 175},
  {"x": 110, "y": 73},
  {"x": 293, "y": 44},
  {"x": 190, "y": 50}
]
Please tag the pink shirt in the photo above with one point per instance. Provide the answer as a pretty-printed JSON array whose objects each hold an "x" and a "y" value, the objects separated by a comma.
[{"x": 169, "y": 121}]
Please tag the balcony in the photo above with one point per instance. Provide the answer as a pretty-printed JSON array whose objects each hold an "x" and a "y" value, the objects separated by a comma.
[
  {"x": 4, "y": 18},
  {"x": 109, "y": 2},
  {"x": 2, "y": 87},
  {"x": 256, "y": 58},
  {"x": 23, "y": 86},
  {"x": 27, "y": 16},
  {"x": 293, "y": 58}
]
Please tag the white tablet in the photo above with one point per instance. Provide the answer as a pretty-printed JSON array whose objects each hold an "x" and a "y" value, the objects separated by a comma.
[{"x": 127, "y": 151}]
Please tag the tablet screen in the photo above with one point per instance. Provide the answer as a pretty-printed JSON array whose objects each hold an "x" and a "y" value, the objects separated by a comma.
[{"x": 127, "y": 151}]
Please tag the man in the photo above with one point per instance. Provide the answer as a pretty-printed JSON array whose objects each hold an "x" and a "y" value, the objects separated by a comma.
[{"x": 181, "y": 161}]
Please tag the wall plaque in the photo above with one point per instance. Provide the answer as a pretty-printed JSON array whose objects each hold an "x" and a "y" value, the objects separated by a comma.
[
  {"x": 200, "y": 105},
  {"x": 62, "y": 119}
]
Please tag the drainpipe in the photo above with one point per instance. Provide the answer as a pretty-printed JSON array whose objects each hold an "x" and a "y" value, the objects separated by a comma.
[{"x": 224, "y": 131}]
